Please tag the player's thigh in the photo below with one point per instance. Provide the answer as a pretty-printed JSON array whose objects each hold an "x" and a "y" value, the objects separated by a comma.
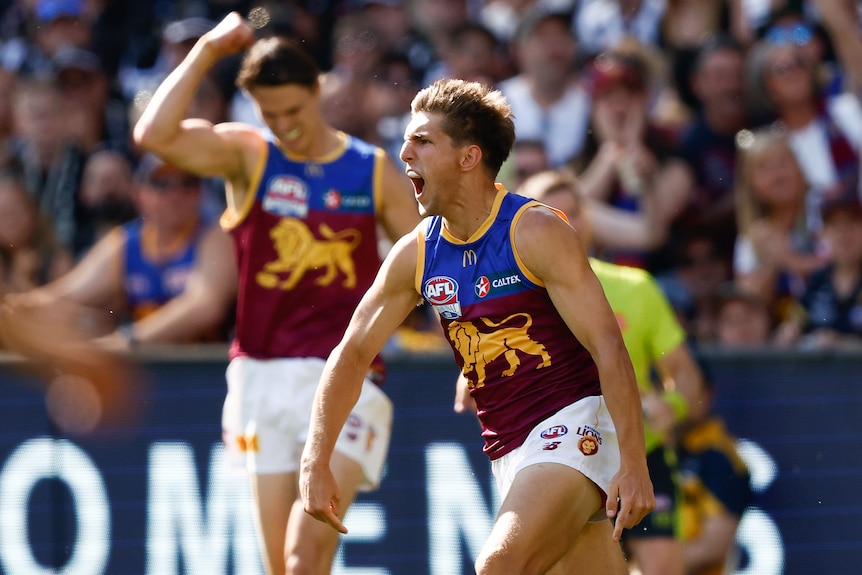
[{"x": 543, "y": 512}]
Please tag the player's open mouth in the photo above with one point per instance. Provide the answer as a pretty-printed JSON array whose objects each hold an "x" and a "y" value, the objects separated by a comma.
[{"x": 418, "y": 181}]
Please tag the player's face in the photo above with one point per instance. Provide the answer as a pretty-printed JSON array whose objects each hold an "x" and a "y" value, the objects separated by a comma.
[
  {"x": 432, "y": 163},
  {"x": 291, "y": 112}
]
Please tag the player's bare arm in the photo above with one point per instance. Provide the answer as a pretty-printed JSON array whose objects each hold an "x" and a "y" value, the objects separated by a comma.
[
  {"x": 227, "y": 150},
  {"x": 540, "y": 236},
  {"x": 383, "y": 308}
]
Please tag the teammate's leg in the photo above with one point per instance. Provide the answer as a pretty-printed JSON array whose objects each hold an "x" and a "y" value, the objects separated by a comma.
[
  {"x": 544, "y": 511},
  {"x": 311, "y": 544},
  {"x": 274, "y": 494}
]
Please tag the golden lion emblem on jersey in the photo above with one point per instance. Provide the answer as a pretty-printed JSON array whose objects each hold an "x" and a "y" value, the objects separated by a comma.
[
  {"x": 478, "y": 349},
  {"x": 299, "y": 251}
]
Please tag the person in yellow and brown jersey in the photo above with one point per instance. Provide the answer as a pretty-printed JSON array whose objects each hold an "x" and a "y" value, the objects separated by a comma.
[
  {"x": 304, "y": 203},
  {"x": 716, "y": 489}
]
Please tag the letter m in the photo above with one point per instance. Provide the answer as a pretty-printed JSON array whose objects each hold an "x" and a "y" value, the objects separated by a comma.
[{"x": 181, "y": 524}]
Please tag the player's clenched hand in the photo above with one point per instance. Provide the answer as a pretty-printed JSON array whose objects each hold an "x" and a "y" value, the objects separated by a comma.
[
  {"x": 631, "y": 490},
  {"x": 233, "y": 34},
  {"x": 320, "y": 494}
]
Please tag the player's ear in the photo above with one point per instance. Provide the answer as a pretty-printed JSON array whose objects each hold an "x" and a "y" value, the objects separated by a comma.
[{"x": 471, "y": 157}]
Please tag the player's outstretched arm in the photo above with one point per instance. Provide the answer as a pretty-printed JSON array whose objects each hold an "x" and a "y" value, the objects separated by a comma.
[
  {"x": 383, "y": 308},
  {"x": 540, "y": 236}
]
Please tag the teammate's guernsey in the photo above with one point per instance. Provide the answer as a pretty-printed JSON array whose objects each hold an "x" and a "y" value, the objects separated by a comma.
[
  {"x": 149, "y": 283},
  {"x": 522, "y": 362},
  {"x": 307, "y": 249}
]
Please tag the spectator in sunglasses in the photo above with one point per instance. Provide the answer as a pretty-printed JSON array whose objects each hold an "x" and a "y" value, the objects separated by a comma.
[
  {"x": 823, "y": 130},
  {"x": 165, "y": 277}
]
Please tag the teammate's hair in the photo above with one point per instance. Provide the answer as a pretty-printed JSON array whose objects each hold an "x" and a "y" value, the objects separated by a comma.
[
  {"x": 277, "y": 61},
  {"x": 473, "y": 114}
]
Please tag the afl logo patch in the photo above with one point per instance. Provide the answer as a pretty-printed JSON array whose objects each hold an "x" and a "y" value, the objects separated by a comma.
[
  {"x": 285, "y": 196},
  {"x": 588, "y": 445},
  {"x": 555, "y": 431},
  {"x": 441, "y": 290},
  {"x": 442, "y": 293}
]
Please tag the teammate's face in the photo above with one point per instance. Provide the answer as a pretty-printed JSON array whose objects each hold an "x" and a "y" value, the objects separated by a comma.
[
  {"x": 432, "y": 163},
  {"x": 291, "y": 112}
]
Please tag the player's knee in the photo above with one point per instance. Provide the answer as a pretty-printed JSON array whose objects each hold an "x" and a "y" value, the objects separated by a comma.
[{"x": 302, "y": 564}]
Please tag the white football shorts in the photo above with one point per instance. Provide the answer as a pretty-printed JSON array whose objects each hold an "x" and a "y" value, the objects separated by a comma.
[
  {"x": 581, "y": 435},
  {"x": 267, "y": 411}
]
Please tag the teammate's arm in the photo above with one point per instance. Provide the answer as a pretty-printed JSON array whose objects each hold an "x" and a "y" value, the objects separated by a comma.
[
  {"x": 382, "y": 309},
  {"x": 195, "y": 145},
  {"x": 540, "y": 236}
]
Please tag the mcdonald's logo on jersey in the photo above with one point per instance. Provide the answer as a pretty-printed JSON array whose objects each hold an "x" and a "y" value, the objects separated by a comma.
[{"x": 469, "y": 258}]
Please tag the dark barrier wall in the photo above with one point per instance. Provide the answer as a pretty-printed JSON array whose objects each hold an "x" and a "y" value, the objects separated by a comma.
[{"x": 150, "y": 494}]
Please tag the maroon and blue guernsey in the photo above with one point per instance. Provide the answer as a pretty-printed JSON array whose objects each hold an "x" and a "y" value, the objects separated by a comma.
[
  {"x": 522, "y": 361},
  {"x": 307, "y": 249}
]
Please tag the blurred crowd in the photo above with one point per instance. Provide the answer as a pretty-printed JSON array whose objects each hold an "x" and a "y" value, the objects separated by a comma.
[{"x": 716, "y": 141}]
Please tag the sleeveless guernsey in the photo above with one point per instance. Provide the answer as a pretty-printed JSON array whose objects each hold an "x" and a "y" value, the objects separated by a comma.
[
  {"x": 306, "y": 247},
  {"x": 522, "y": 361},
  {"x": 150, "y": 284}
]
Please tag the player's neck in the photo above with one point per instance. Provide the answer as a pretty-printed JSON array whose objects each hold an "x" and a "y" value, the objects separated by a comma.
[{"x": 470, "y": 216}]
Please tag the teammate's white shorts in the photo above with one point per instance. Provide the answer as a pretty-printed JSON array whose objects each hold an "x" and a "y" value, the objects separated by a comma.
[
  {"x": 267, "y": 412},
  {"x": 581, "y": 435}
]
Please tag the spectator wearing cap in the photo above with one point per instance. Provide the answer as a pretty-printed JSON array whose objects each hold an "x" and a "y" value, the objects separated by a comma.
[
  {"x": 165, "y": 277},
  {"x": 177, "y": 38},
  {"x": 829, "y": 314},
  {"x": 96, "y": 116},
  {"x": 627, "y": 161},
  {"x": 548, "y": 101},
  {"x": 61, "y": 23},
  {"x": 50, "y": 26}
]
